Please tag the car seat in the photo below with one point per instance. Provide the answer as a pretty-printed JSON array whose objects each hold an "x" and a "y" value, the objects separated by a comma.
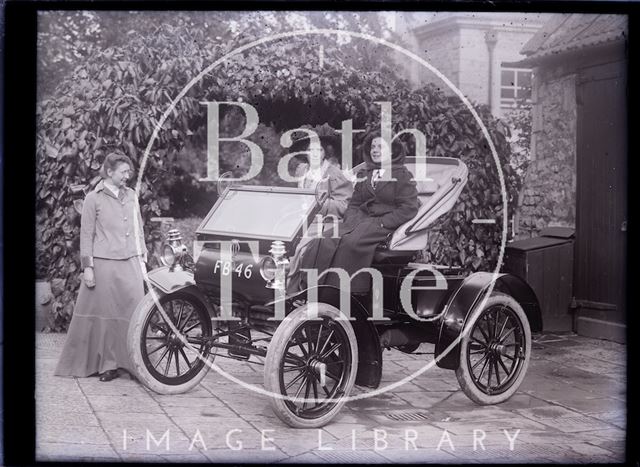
[{"x": 447, "y": 177}]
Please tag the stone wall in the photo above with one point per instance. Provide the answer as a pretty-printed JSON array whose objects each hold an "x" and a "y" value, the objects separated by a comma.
[
  {"x": 548, "y": 197},
  {"x": 474, "y": 65},
  {"x": 462, "y": 54},
  {"x": 443, "y": 52}
]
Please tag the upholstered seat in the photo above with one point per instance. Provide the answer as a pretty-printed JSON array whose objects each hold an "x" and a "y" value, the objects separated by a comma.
[
  {"x": 384, "y": 255},
  {"x": 445, "y": 179}
]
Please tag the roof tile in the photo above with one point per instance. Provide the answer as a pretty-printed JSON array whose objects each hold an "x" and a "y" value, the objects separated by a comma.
[{"x": 564, "y": 33}]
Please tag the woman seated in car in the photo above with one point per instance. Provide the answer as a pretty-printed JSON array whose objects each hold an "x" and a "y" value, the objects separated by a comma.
[
  {"x": 381, "y": 202},
  {"x": 322, "y": 168},
  {"x": 321, "y": 171}
]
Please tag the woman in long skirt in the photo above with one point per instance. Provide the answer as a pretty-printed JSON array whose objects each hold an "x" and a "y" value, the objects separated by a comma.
[{"x": 113, "y": 257}]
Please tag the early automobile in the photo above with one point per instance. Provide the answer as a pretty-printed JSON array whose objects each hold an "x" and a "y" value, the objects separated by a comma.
[{"x": 228, "y": 300}]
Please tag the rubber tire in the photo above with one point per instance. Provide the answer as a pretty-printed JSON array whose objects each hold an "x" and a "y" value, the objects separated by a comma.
[
  {"x": 462, "y": 372},
  {"x": 133, "y": 346},
  {"x": 276, "y": 349}
]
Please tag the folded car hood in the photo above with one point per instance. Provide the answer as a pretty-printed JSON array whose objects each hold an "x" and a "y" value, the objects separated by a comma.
[{"x": 437, "y": 195}]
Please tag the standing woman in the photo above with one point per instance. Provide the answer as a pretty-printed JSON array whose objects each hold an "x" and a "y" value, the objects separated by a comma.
[{"x": 112, "y": 257}]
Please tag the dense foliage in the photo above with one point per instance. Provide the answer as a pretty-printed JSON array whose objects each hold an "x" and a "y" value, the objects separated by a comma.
[{"x": 114, "y": 99}]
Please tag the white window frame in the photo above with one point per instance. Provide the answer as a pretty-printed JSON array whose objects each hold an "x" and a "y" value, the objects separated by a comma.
[{"x": 507, "y": 103}]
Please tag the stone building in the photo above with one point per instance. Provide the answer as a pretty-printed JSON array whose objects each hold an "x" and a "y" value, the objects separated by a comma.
[
  {"x": 577, "y": 173},
  {"x": 469, "y": 48},
  {"x": 558, "y": 53},
  {"x": 548, "y": 197}
]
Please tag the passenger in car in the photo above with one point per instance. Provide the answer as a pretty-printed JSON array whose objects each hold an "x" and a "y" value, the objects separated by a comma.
[
  {"x": 378, "y": 206},
  {"x": 327, "y": 177}
]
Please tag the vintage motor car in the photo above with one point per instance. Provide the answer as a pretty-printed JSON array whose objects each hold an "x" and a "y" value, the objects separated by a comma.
[{"x": 480, "y": 324}]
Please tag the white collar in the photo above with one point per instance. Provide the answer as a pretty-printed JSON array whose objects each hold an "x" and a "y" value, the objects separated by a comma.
[{"x": 114, "y": 189}]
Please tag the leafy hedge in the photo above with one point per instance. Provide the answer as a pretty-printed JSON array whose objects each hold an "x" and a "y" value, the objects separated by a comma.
[{"x": 114, "y": 99}]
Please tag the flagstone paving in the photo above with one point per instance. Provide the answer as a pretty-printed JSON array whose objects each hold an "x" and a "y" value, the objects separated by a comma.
[{"x": 570, "y": 408}]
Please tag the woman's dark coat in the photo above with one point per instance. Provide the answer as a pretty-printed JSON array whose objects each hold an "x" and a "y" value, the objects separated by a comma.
[{"x": 372, "y": 215}]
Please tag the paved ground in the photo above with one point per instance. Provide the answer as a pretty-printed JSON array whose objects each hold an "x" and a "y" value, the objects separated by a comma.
[{"x": 570, "y": 408}]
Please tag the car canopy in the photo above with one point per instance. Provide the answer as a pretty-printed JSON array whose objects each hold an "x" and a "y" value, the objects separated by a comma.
[{"x": 446, "y": 178}]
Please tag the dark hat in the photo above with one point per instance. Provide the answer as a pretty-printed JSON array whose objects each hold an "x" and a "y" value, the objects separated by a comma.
[
  {"x": 398, "y": 150},
  {"x": 329, "y": 143}
]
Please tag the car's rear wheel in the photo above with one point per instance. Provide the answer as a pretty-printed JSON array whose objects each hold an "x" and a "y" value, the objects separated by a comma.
[
  {"x": 161, "y": 360},
  {"x": 494, "y": 351},
  {"x": 313, "y": 364}
]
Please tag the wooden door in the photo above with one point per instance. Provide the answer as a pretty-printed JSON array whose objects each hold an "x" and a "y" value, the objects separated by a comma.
[{"x": 601, "y": 210}]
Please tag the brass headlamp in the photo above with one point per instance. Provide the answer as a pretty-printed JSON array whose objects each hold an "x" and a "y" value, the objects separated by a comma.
[
  {"x": 274, "y": 268},
  {"x": 173, "y": 250}
]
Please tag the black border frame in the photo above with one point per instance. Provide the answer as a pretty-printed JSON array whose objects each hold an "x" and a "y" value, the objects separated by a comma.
[{"x": 18, "y": 167}]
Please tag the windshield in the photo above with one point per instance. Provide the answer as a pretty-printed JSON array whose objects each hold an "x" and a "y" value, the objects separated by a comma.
[{"x": 260, "y": 212}]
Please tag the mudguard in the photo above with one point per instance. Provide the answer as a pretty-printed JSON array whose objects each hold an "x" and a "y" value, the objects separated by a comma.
[
  {"x": 466, "y": 297},
  {"x": 170, "y": 281},
  {"x": 369, "y": 349}
]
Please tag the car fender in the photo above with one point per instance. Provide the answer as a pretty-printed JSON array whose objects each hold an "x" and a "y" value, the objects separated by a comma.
[
  {"x": 168, "y": 282},
  {"x": 466, "y": 297},
  {"x": 369, "y": 349}
]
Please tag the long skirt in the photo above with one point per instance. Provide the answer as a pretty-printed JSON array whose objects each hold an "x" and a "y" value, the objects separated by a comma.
[
  {"x": 314, "y": 231},
  {"x": 97, "y": 336},
  {"x": 352, "y": 250}
]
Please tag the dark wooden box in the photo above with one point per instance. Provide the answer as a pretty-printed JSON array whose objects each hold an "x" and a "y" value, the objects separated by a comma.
[{"x": 546, "y": 264}]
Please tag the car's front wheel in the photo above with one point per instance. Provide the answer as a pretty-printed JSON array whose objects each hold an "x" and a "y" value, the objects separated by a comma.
[
  {"x": 311, "y": 364},
  {"x": 494, "y": 351},
  {"x": 161, "y": 359}
]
